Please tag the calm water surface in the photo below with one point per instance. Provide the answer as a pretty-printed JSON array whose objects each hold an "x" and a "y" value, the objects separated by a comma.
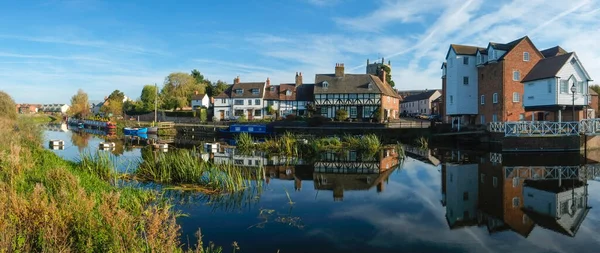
[{"x": 435, "y": 201}]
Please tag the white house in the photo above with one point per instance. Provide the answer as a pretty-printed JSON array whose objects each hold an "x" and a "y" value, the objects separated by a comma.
[
  {"x": 548, "y": 86},
  {"x": 560, "y": 205},
  {"x": 200, "y": 100},
  {"x": 460, "y": 71},
  {"x": 55, "y": 108},
  {"x": 461, "y": 195},
  {"x": 419, "y": 103},
  {"x": 241, "y": 99}
]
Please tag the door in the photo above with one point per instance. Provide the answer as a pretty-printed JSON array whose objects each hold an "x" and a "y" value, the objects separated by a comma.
[
  {"x": 540, "y": 116},
  {"x": 250, "y": 112},
  {"x": 222, "y": 114}
]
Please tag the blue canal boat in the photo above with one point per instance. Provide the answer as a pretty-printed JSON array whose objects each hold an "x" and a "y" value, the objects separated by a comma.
[
  {"x": 250, "y": 129},
  {"x": 135, "y": 131}
]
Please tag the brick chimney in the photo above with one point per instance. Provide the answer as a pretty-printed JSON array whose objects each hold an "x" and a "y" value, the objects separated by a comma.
[
  {"x": 339, "y": 70},
  {"x": 195, "y": 92},
  {"x": 236, "y": 80},
  {"x": 382, "y": 75},
  {"x": 268, "y": 81},
  {"x": 298, "y": 79}
]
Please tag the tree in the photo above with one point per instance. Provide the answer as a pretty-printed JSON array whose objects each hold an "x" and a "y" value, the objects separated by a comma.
[
  {"x": 114, "y": 104},
  {"x": 7, "y": 106},
  {"x": 178, "y": 89},
  {"x": 80, "y": 106},
  {"x": 149, "y": 93},
  {"x": 117, "y": 95},
  {"x": 199, "y": 77},
  {"x": 216, "y": 88},
  {"x": 388, "y": 74},
  {"x": 341, "y": 115}
]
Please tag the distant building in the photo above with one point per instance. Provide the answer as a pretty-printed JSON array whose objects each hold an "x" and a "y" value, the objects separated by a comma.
[
  {"x": 241, "y": 99},
  {"x": 419, "y": 103},
  {"x": 28, "y": 108},
  {"x": 361, "y": 95},
  {"x": 200, "y": 100},
  {"x": 55, "y": 108}
]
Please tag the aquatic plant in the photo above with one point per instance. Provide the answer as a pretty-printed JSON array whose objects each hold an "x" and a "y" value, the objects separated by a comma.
[
  {"x": 244, "y": 141},
  {"x": 184, "y": 166},
  {"x": 369, "y": 143},
  {"x": 97, "y": 163},
  {"x": 422, "y": 142}
]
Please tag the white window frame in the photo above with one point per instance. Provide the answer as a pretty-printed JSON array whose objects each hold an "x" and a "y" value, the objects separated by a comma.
[
  {"x": 564, "y": 86},
  {"x": 525, "y": 56},
  {"x": 516, "y": 75},
  {"x": 516, "y": 202},
  {"x": 465, "y": 78},
  {"x": 516, "y": 97},
  {"x": 495, "y": 98},
  {"x": 465, "y": 60},
  {"x": 482, "y": 99}
]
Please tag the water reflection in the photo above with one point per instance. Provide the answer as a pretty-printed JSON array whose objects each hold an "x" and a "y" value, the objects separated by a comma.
[{"x": 506, "y": 192}]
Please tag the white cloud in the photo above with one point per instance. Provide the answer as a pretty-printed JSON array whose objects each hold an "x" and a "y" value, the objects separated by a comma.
[{"x": 322, "y": 3}]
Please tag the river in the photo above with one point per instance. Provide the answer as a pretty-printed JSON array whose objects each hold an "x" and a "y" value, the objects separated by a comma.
[{"x": 439, "y": 200}]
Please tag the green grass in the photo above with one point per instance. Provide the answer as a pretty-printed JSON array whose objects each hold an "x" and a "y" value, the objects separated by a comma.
[{"x": 184, "y": 166}]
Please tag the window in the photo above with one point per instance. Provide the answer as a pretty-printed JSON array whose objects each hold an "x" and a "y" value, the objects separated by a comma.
[
  {"x": 238, "y": 102},
  {"x": 324, "y": 111},
  {"x": 239, "y": 112},
  {"x": 479, "y": 58},
  {"x": 549, "y": 83},
  {"x": 451, "y": 178},
  {"x": 525, "y": 219},
  {"x": 370, "y": 86},
  {"x": 257, "y": 101},
  {"x": 515, "y": 201},
  {"x": 482, "y": 99},
  {"x": 288, "y": 93},
  {"x": 494, "y": 118},
  {"x": 239, "y": 91},
  {"x": 495, "y": 98},
  {"x": 257, "y": 113},
  {"x": 353, "y": 112},
  {"x": 255, "y": 91},
  {"x": 495, "y": 181},
  {"x": 482, "y": 119},
  {"x": 522, "y": 117},
  {"x": 465, "y": 196},
  {"x": 465, "y": 80},
  {"x": 270, "y": 102},
  {"x": 272, "y": 88},
  {"x": 525, "y": 56},
  {"x": 515, "y": 181},
  {"x": 564, "y": 86},
  {"x": 325, "y": 84},
  {"x": 580, "y": 87},
  {"x": 516, "y": 75},
  {"x": 451, "y": 99},
  {"x": 249, "y": 101},
  {"x": 516, "y": 97},
  {"x": 482, "y": 178},
  {"x": 465, "y": 60}
]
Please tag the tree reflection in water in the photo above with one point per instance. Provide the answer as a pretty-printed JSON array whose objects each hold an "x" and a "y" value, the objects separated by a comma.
[{"x": 81, "y": 140}]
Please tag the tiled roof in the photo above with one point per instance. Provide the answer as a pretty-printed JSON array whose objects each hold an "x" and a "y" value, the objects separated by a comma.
[
  {"x": 305, "y": 92},
  {"x": 420, "y": 96},
  {"x": 465, "y": 50},
  {"x": 553, "y": 51},
  {"x": 247, "y": 90},
  {"x": 592, "y": 92},
  {"x": 351, "y": 83},
  {"x": 226, "y": 93},
  {"x": 198, "y": 97},
  {"x": 283, "y": 88},
  {"x": 272, "y": 95},
  {"x": 547, "y": 67}
]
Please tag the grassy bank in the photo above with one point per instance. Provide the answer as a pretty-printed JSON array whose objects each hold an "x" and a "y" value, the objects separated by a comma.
[
  {"x": 183, "y": 167},
  {"x": 289, "y": 144},
  {"x": 52, "y": 205}
]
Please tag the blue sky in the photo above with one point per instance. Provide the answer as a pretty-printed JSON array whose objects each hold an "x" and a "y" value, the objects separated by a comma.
[{"x": 49, "y": 49}]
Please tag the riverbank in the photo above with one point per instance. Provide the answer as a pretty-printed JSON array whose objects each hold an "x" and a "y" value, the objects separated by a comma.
[{"x": 53, "y": 205}]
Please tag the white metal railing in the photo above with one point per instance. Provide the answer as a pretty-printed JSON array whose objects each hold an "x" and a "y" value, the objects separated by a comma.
[
  {"x": 546, "y": 128},
  {"x": 496, "y": 127},
  {"x": 589, "y": 171}
]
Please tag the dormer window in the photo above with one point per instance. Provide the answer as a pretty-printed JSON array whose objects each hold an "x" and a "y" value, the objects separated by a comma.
[
  {"x": 272, "y": 88},
  {"x": 492, "y": 54},
  {"x": 573, "y": 61},
  {"x": 255, "y": 91},
  {"x": 288, "y": 93},
  {"x": 370, "y": 86},
  {"x": 325, "y": 84},
  {"x": 239, "y": 91}
]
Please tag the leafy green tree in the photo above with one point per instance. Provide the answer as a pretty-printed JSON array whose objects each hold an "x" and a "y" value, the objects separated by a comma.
[
  {"x": 149, "y": 93},
  {"x": 388, "y": 74},
  {"x": 178, "y": 89},
  {"x": 80, "y": 106},
  {"x": 199, "y": 77},
  {"x": 8, "y": 108},
  {"x": 216, "y": 88}
]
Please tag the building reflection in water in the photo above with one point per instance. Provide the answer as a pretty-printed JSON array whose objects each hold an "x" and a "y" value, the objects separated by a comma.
[
  {"x": 346, "y": 170},
  {"x": 502, "y": 193}
]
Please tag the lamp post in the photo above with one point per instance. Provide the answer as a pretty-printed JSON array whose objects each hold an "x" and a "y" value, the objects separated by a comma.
[{"x": 573, "y": 90}]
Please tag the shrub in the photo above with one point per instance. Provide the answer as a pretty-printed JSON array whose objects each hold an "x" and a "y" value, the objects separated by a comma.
[
  {"x": 216, "y": 119},
  {"x": 341, "y": 115},
  {"x": 8, "y": 109},
  {"x": 291, "y": 117},
  {"x": 188, "y": 114},
  {"x": 317, "y": 120},
  {"x": 203, "y": 114}
]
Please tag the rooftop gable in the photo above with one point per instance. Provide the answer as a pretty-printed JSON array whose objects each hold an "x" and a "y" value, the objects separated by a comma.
[
  {"x": 553, "y": 51},
  {"x": 546, "y": 68},
  {"x": 420, "y": 96},
  {"x": 247, "y": 90}
]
